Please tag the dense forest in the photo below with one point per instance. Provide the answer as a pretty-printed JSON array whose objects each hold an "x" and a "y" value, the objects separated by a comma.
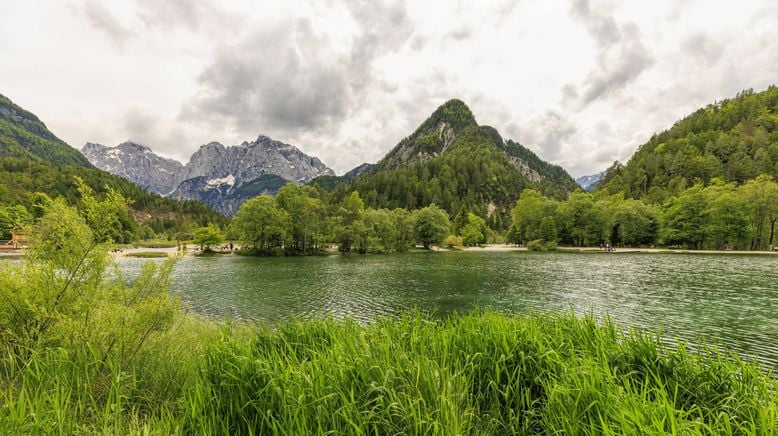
[
  {"x": 734, "y": 140},
  {"x": 718, "y": 216}
]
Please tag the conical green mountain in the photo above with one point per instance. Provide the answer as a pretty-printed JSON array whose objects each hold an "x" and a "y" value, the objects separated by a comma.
[
  {"x": 734, "y": 140},
  {"x": 453, "y": 162},
  {"x": 33, "y": 159}
]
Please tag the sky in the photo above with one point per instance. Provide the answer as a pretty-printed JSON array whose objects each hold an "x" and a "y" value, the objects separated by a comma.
[{"x": 582, "y": 83}]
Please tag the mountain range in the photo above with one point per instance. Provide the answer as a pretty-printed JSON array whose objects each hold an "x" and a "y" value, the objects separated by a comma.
[
  {"x": 224, "y": 177},
  {"x": 590, "y": 182},
  {"x": 221, "y": 177}
]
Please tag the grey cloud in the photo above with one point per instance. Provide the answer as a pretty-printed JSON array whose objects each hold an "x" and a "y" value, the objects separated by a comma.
[
  {"x": 549, "y": 133},
  {"x": 139, "y": 124},
  {"x": 102, "y": 19},
  {"x": 291, "y": 80},
  {"x": 459, "y": 34},
  {"x": 621, "y": 55},
  {"x": 192, "y": 14},
  {"x": 703, "y": 46},
  {"x": 279, "y": 77},
  {"x": 384, "y": 27}
]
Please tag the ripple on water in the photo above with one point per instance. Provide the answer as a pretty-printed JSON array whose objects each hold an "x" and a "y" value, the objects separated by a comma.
[{"x": 729, "y": 299}]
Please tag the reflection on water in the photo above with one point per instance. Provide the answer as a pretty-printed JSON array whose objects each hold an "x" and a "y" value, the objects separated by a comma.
[{"x": 729, "y": 299}]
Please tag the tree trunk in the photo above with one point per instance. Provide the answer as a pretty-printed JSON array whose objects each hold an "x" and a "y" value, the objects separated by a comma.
[{"x": 772, "y": 229}]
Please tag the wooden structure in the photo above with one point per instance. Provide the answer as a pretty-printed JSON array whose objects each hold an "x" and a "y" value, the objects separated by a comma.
[{"x": 18, "y": 241}]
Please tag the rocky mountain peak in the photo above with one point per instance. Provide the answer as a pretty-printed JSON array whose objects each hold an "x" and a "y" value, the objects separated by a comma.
[
  {"x": 136, "y": 163},
  {"x": 220, "y": 176}
]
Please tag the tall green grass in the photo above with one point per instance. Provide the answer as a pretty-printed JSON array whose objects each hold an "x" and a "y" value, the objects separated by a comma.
[{"x": 481, "y": 373}]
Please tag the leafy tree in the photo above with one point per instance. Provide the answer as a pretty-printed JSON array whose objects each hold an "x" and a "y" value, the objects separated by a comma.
[
  {"x": 404, "y": 224},
  {"x": 261, "y": 224},
  {"x": 575, "y": 213},
  {"x": 307, "y": 213},
  {"x": 729, "y": 223},
  {"x": 635, "y": 223},
  {"x": 528, "y": 214},
  {"x": 208, "y": 236},
  {"x": 350, "y": 228},
  {"x": 453, "y": 241},
  {"x": 474, "y": 232},
  {"x": 761, "y": 195},
  {"x": 431, "y": 225},
  {"x": 684, "y": 218}
]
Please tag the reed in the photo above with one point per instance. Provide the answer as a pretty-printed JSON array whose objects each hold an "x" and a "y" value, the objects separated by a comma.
[{"x": 478, "y": 373}]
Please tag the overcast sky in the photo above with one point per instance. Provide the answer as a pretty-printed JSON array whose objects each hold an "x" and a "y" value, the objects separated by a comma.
[{"x": 581, "y": 83}]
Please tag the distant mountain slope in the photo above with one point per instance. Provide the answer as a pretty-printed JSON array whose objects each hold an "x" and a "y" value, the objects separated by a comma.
[
  {"x": 215, "y": 174},
  {"x": 590, "y": 182},
  {"x": 329, "y": 183},
  {"x": 138, "y": 164},
  {"x": 452, "y": 161},
  {"x": 22, "y": 134},
  {"x": 32, "y": 159},
  {"x": 734, "y": 140}
]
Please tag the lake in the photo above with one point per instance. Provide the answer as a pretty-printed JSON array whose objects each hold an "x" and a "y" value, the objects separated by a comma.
[{"x": 731, "y": 299}]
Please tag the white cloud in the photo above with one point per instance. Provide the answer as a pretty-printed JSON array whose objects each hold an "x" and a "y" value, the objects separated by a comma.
[{"x": 582, "y": 83}]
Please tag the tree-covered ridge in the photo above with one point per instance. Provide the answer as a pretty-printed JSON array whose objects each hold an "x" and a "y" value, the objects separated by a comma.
[
  {"x": 734, "y": 140},
  {"x": 22, "y": 134},
  {"x": 22, "y": 178},
  {"x": 453, "y": 162},
  {"x": 473, "y": 173}
]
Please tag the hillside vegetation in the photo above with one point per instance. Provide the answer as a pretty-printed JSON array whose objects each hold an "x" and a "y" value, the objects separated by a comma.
[
  {"x": 734, "y": 140},
  {"x": 33, "y": 160},
  {"x": 458, "y": 165}
]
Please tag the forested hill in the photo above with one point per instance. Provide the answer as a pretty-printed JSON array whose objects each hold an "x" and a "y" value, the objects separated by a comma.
[
  {"x": 734, "y": 140},
  {"x": 33, "y": 159},
  {"x": 453, "y": 162},
  {"x": 22, "y": 134}
]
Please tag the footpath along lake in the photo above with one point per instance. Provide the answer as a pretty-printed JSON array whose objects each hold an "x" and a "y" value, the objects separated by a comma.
[{"x": 725, "y": 298}]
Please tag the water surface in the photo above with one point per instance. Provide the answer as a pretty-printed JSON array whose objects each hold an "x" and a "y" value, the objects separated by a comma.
[{"x": 728, "y": 299}]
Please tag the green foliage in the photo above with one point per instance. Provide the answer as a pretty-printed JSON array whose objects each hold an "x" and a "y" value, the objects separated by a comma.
[
  {"x": 719, "y": 216},
  {"x": 473, "y": 374},
  {"x": 262, "y": 224},
  {"x": 453, "y": 241},
  {"x": 475, "y": 231},
  {"x": 528, "y": 214},
  {"x": 13, "y": 217},
  {"x": 761, "y": 195},
  {"x": 541, "y": 245},
  {"x": 431, "y": 225},
  {"x": 208, "y": 236},
  {"x": 733, "y": 140},
  {"x": 62, "y": 294}
]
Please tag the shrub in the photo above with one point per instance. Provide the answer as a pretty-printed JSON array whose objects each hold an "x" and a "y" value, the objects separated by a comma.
[
  {"x": 541, "y": 245},
  {"x": 452, "y": 241}
]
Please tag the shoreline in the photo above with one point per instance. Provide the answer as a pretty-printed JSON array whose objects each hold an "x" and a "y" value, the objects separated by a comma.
[
  {"x": 137, "y": 253},
  {"x": 594, "y": 250}
]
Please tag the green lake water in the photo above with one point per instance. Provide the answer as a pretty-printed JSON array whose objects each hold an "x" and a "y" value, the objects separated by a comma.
[{"x": 729, "y": 299}]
